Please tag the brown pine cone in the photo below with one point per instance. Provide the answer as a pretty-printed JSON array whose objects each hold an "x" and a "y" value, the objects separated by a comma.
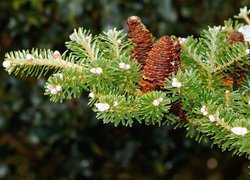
[
  {"x": 162, "y": 61},
  {"x": 141, "y": 37},
  {"x": 235, "y": 37}
]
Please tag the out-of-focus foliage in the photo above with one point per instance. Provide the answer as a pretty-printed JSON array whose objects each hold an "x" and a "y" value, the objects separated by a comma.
[{"x": 41, "y": 140}]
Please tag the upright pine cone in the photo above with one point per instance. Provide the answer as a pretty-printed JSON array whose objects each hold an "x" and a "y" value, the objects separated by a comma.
[
  {"x": 233, "y": 79},
  {"x": 235, "y": 37},
  {"x": 141, "y": 37},
  {"x": 162, "y": 61}
]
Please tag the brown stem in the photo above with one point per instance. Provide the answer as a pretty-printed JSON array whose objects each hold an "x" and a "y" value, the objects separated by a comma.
[{"x": 235, "y": 78}]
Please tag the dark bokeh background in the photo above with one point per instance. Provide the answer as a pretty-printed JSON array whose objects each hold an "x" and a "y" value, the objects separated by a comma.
[{"x": 44, "y": 140}]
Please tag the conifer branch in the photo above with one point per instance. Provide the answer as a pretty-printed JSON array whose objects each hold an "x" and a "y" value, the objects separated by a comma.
[
  {"x": 36, "y": 62},
  {"x": 194, "y": 95},
  {"x": 82, "y": 43},
  {"x": 238, "y": 55},
  {"x": 114, "y": 43},
  {"x": 188, "y": 49}
]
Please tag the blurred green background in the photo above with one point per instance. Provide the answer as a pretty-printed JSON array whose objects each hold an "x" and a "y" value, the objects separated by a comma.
[{"x": 44, "y": 140}]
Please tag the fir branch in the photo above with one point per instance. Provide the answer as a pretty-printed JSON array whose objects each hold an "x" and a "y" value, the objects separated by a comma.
[
  {"x": 237, "y": 53},
  {"x": 245, "y": 87},
  {"x": 114, "y": 44},
  {"x": 102, "y": 65},
  {"x": 83, "y": 45},
  {"x": 190, "y": 53},
  {"x": 36, "y": 62},
  {"x": 65, "y": 85},
  {"x": 222, "y": 134},
  {"x": 153, "y": 106},
  {"x": 119, "y": 110},
  {"x": 209, "y": 43}
]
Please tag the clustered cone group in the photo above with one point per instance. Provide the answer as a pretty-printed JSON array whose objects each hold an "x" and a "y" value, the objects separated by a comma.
[{"x": 158, "y": 60}]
